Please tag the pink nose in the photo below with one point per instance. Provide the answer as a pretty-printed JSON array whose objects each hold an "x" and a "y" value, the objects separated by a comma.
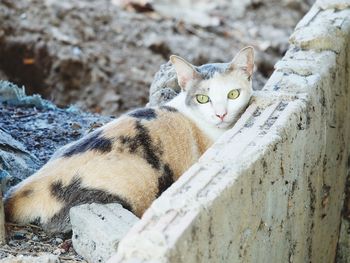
[{"x": 221, "y": 116}]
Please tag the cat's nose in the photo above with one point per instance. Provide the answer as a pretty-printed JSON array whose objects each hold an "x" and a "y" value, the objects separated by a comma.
[{"x": 221, "y": 116}]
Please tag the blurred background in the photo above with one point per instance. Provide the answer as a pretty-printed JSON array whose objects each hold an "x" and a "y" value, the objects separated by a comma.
[{"x": 101, "y": 55}]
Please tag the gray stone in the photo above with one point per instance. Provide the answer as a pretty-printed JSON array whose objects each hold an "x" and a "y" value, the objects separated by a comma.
[
  {"x": 16, "y": 163},
  {"x": 2, "y": 222},
  {"x": 97, "y": 229},
  {"x": 16, "y": 96},
  {"x": 164, "y": 86},
  {"x": 192, "y": 12},
  {"x": 333, "y": 4},
  {"x": 47, "y": 258}
]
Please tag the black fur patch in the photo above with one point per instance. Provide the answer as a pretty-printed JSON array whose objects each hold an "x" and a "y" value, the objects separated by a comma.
[
  {"x": 143, "y": 141},
  {"x": 144, "y": 113},
  {"x": 92, "y": 141},
  {"x": 26, "y": 193},
  {"x": 165, "y": 180},
  {"x": 74, "y": 194},
  {"x": 9, "y": 205},
  {"x": 168, "y": 108}
]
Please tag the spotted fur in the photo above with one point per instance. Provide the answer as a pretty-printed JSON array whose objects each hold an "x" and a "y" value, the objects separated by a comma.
[
  {"x": 135, "y": 158},
  {"x": 131, "y": 160}
]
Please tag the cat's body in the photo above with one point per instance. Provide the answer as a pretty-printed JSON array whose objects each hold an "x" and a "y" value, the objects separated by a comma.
[{"x": 133, "y": 159}]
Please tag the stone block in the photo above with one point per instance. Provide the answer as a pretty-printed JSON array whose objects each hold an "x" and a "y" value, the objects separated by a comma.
[
  {"x": 164, "y": 86},
  {"x": 97, "y": 229},
  {"x": 333, "y": 4},
  {"x": 322, "y": 30},
  {"x": 46, "y": 258}
]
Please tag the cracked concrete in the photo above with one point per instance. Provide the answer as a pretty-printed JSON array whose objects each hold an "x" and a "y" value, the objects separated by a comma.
[{"x": 272, "y": 188}]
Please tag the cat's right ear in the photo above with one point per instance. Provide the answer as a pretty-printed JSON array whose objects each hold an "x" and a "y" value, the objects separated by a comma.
[
  {"x": 185, "y": 71},
  {"x": 244, "y": 61}
]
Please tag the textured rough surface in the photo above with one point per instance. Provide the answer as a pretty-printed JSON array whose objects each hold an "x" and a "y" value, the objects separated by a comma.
[
  {"x": 31, "y": 129},
  {"x": 164, "y": 86},
  {"x": 333, "y": 4},
  {"x": 322, "y": 30},
  {"x": 343, "y": 251},
  {"x": 47, "y": 258},
  {"x": 97, "y": 229},
  {"x": 272, "y": 188},
  {"x": 2, "y": 222},
  {"x": 102, "y": 54}
]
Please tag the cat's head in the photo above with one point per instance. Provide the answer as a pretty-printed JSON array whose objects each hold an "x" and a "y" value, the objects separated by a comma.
[{"x": 217, "y": 92}]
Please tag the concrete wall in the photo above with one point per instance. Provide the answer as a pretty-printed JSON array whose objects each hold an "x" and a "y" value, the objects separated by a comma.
[{"x": 272, "y": 188}]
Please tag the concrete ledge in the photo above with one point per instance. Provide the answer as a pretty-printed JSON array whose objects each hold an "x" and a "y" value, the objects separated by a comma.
[{"x": 272, "y": 188}]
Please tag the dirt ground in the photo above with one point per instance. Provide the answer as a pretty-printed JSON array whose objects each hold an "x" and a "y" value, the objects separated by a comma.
[
  {"x": 42, "y": 131},
  {"x": 32, "y": 241},
  {"x": 102, "y": 55}
]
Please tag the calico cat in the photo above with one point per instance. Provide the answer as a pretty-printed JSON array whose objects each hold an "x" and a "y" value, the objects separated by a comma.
[{"x": 134, "y": 158}]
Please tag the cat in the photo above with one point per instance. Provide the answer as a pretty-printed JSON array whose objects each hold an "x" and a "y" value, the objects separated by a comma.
[{"x": 133, "y": 159}]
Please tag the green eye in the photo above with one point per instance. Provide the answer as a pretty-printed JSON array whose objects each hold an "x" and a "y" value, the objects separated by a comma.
[
  {"x": 202, "y": 98},
  {"x": 233, "y": 94}
]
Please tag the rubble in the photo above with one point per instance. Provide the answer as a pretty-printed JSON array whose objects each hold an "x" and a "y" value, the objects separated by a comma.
[
  {"x": 97, "y": 229},
  {"x": 47, "y": 258},
  {"x": 78, "y": 52}
]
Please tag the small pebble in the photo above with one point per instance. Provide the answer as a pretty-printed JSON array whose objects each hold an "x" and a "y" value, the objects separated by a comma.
[
  {"x": 19, "y": 236},
  {"x": 66, "y": 245},
  {"x": 58, "y": 251},
  {"x": 12, "y": 243},
  {"x": 35, "y": 238},
  {"x": 75, "y": 126},
  {"x": 57, "y": 241}
]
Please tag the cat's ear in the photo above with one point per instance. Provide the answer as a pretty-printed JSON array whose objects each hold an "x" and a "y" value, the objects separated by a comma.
[
  {"x": 244, "y": 60},
  {"x": 185, "y": 71}
]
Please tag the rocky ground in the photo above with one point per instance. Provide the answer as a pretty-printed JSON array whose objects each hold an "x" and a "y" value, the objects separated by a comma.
[
  {"x": 32, "y": 241},
  {"x": 101, "y": 55},
  {"x": 29, "y": 134}
]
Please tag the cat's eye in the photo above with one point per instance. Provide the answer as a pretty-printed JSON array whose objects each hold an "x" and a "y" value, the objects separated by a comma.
[
  {"x": 233, "y": 94},
  {"x": 202, "y": 98}
]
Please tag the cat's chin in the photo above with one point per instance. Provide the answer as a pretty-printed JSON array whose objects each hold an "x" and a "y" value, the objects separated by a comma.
[{"x": 223, "y": 125}]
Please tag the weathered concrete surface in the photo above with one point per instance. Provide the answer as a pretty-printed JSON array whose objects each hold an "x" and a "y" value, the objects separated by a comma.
[
  {"x": 343, "y": 250},
  {"x": 97, "y": 229},
  {"x": 272, "y": 188}
]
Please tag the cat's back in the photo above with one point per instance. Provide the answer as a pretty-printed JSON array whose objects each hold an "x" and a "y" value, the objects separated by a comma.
[{"x": 160, "y": 135}]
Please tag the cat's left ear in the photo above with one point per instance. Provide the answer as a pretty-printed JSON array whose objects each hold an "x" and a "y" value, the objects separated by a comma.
[
  {"x": 185, "y": 71},
  {"x": 244, "y": 61}
]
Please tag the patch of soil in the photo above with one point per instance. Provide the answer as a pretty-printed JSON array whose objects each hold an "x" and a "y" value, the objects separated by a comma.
[
  {"x": 31, "y": 240},
  {"x": 43, "y": 131}
]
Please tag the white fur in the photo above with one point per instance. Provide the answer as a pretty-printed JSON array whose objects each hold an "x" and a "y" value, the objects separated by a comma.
[
  {"x": 211, "y": 131},
  {"x": 220, "y": 113},
  {"x": 219, "y": 86},
  {"x": 204, "y": 115}
]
